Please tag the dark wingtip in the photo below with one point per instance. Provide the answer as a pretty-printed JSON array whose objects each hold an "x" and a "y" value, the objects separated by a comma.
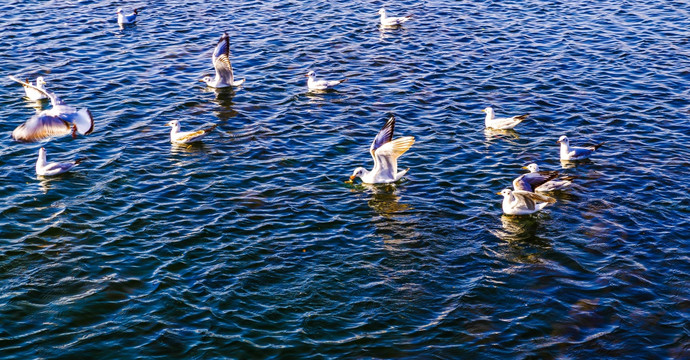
[{"x": 598, "y": 146}]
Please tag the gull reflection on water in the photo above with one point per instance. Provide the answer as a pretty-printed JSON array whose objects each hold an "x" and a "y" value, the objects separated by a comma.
[
  {"x": 385, "y": 201},
  {"x": 493, "y": 134},
  {"x": 522, "y": 243}
]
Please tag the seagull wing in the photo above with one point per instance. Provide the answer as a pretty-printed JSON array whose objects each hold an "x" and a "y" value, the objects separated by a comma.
[
  {"x": 530, "y": 181},
  {"x": 41, "y": 126},
  {"x": 527, "y": 195},
  {"x": 384, "y": 136},
  {"x": 194, "y": 135},
  {"x": 221, "y": 60},
  {"x": 57, "y": 168},
  {"x": 386, "y": 156}
]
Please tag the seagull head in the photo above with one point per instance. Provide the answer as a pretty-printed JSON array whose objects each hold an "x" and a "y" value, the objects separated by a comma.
[
  {"x": 310, "y": 74},
  {"x": 563, "y": 140},
  {"x": 532, "y": 167},
  {"x": 40, "y": 81},
  {"x": 42, "y": 151},
  {"x": 505, "y": 192},
  {"x": 119, "y": 10},
  {"x": 206, "y": 79},
  {"x": 173, "y": 123},
  {"x": 488, "y": 110},
  {"x": 359, "y": 172},
  {"x": 382, "y": 11}
]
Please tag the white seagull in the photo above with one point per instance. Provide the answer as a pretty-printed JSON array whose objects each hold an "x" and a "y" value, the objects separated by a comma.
[
  {"x": 392, "y": 21},
  {"x": 321, "y": 85},
  {"x": 31, "y": 93},
  {"x": 560, "y": 183},
  {"x": 520, "y": 202},
  {"x": 123, "y": 19},
  {"x": 60, "y": 119},
  {"x": 44, "y": 168},
  {"x": 491, "y": 122},
  {"x": 186, "y": 137},
  {"x": 221, "y": 62},
  {"x": 385, "y": 151},
  {"x": 573, "y": 152}
]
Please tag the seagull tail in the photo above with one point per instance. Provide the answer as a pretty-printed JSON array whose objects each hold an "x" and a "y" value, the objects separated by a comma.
[
  {"x": 521, "y": 117},
  {"x": 342, "y": 81},
  {"x": 209, "y": 129},
  {"x": 80, "y": 160},
  {"x": 595, "y": 147}
]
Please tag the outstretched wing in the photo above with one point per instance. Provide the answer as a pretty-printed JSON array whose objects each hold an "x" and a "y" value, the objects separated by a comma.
[
  {"x": 386, "y": 156},
  {"x": 221, "y": 60},
  {"x": 384, "y": 136},
  {"x": 530, "y": 181},
  {"x": 39, "y": 127}
]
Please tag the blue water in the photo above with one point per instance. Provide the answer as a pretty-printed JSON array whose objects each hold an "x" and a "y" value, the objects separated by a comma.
[{"x": 250, "y": 245}]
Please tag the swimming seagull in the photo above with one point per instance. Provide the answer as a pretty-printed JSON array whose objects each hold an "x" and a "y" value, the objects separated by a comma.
[
  {"x": 385, "y": 151},
  {"x": 392, "y": 21},
  {"x": 60, "y": 119},
  {"x": 501, "y": 123},
  {"x": 554, "y": 184},
  {"x": 531, "y": 181},
  {"x": 520, "y": 202},
  {"x": 123, "y": 19},
  {"x": 186, "y": 137},
  {"x": 30, "y": 92},
  {"x": 573, "y": 152},
  {"x": 221, "y": 62},
  {"x": 321, "y": 85},
  {"x": 44, "y": 168}
]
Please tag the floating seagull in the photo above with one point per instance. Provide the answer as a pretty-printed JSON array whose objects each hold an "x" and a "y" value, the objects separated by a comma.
[
  {"x": 520, "y": 202},
  {"x": 573, "y": 152},
  {"x": 385, "y": 151},
  {"x": 186, "y": 137},
  {"x": 44, "y": 168},
  {"x": 392, "y": 21},
  {"x": 555, "y": 184},
  {"x": 60, "y": 119},
  {"x": 123, "y": 19},
  {"x": 321, "y": 85},
  {"x": 221, "y": 62},
  {"x": 29, "y": 90},
  {"x": 531, "y": 181},
  {"x": 501, "y": 123}
]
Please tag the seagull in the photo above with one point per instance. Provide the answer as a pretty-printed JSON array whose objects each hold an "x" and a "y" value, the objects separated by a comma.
[
  {"x": 385, "y": 151},
  {"x": 555, "y": 184},
  {"x": 501, "y": 123},
  {"x": 531, "y": 181},
  {"x": 126, "y": 19},
  {"x": 186, "y": 137},
  {"x": 520, "y": 202},
  {"x": 221, "y": 62},
  {"x": 573, "y": 152},
  {"x": 321, "y": 85},
  {"x": 30, "y": 92},
  {"x": 392, "y": 21},
  {"x": 60, "y": 119},
  {"x": 44, "y": 168}
]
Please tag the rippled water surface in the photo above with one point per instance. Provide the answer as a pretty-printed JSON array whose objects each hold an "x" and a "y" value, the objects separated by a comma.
[{"x": 250, "y": 245}]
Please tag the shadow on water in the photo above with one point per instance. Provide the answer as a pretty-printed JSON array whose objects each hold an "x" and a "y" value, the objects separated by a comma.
[
  {"x": 493, "y": 134},
  {"x": 522, "y": 242}
]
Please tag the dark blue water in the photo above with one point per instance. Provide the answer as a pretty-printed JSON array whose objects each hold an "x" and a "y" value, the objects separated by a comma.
[{"x": 250, "y": 245}]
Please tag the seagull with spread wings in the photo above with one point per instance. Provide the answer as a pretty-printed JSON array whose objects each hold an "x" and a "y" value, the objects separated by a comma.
[
  {"x": 60, "y": 119},
  {"x": 385, "y": 151},
  {"x": 221, "y": 62}
]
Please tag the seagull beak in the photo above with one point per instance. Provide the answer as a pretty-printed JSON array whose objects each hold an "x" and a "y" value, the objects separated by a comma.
[
  {"x": 352, "y": 178},
  {"x": 200, "y": 80},
  {"x": 483, "y": 110},
  {"x": 167, "y": 124},
  {"x": 524, "y": 167},
  {"x": 498, "y": 193},
  {"x": 307, "y": 75}
]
